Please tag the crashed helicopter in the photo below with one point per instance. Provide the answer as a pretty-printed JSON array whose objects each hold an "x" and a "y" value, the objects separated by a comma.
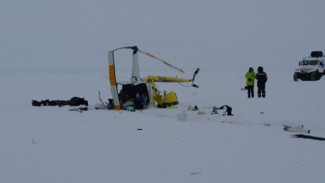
[{"x": 142, "y": 92}]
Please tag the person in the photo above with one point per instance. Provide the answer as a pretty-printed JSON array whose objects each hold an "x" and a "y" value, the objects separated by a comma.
[
  {"x": 261, "y": 78},
  {"x": 250, "y": 81}
]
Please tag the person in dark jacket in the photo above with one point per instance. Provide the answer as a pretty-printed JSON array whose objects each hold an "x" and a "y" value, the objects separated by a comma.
[{"x": 261, "y": 78}]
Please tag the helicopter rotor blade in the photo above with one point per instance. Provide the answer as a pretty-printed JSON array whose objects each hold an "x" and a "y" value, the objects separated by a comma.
[
  {"x": 136, "y": 49},
  {"x": 127, "y": 47},
  {"x": 161, "y": 60},
  {"x": 195, "y": 73}
]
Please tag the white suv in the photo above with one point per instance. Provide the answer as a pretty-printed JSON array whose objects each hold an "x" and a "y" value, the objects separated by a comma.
[{"x": 310, "y": 68}]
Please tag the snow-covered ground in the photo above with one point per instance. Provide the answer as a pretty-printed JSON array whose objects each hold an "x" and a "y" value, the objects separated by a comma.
[
  {"x": 58, "y": 49},
  {"x": 53, "y": 144}
]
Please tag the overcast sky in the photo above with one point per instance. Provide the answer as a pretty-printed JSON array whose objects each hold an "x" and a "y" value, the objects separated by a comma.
[{"x": 67, "y": 34}]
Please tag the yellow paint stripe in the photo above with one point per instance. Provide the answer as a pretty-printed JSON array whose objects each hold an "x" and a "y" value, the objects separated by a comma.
[
  {"x": 111, "y": 74},
  {"x": 167, "y": 64},
  {"x": 150, "y": 55}
]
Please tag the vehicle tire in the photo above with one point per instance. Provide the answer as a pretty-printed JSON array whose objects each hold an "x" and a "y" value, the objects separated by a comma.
[
  {"x": 295, "y": 76},
  {"x": 317, "y": 75},
  {"x": 313, "y": 76}
]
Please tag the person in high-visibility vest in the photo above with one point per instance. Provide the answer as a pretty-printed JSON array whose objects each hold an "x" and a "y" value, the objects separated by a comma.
[{"x": 250, "y": 81}]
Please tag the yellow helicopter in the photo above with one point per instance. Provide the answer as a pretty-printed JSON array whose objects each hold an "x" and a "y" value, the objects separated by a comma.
[{"x": 141, "y": 92}]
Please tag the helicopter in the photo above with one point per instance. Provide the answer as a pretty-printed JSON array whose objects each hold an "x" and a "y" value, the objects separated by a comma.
[{"x": 142, "y": 92}]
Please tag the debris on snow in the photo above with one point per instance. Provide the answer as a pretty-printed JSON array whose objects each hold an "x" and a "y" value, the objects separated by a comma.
[
  {"x": 308, "y": 137},
  {"x": 298, "y": 128}
]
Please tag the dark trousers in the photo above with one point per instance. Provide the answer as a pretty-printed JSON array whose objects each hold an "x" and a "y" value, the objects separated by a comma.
[
  {"x": 250, "y": 91},
  {"x": 261, "y": 91}
]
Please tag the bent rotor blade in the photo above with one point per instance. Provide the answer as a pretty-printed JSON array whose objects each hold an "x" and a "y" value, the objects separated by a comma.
[
  {"x": 161, "y": 60},
  {"x": 126, "y": 47}
]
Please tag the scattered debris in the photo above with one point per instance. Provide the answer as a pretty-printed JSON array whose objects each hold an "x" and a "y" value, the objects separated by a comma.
[
  {"x": 308, "y": 137},
  {"x": 297, "y": 129},
  {"x": 190, "y": 108},
  {"x": 227, "y": 112},
  {"x": 100, "y": 106},
  {"x": 74, "y": 101},
  {"x": 214, "y": 110},
  {"x": 130, "y": 108},
  {"x": 80, "y": 109}
]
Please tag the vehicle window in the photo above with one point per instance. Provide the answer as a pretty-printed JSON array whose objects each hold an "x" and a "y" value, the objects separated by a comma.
[
  {"x": 304, "y": 62},
  {"x": 313, "y": 62}
]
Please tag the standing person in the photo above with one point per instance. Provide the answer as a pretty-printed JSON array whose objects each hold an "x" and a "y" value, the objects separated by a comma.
[
  {"x": 261, "y": 78},
  {"x": 250, "y": 81}
]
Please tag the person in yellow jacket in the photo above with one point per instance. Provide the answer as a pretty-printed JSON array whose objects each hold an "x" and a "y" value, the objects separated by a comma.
[{"x": 250, "y": 81}]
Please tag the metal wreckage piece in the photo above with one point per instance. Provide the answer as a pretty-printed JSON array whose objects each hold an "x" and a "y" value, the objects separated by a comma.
[{"x": 142, "y": 92}]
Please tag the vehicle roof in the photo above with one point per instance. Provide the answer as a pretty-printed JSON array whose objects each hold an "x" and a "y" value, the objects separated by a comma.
[{"x": 314, "y": 58}]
